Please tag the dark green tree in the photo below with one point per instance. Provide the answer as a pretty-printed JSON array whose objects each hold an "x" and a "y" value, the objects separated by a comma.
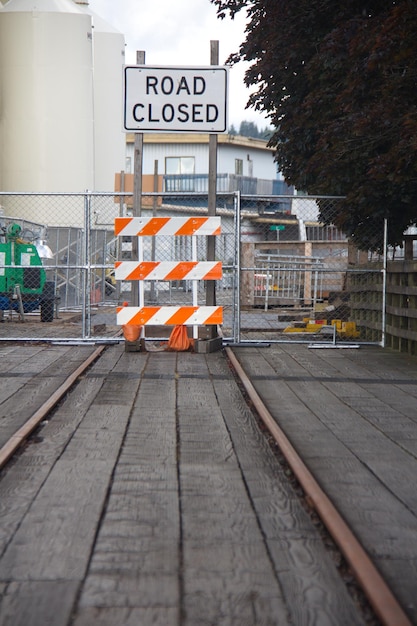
[
  {"x": 248, "y": 129},
  {"x": 338, "y": 82}
]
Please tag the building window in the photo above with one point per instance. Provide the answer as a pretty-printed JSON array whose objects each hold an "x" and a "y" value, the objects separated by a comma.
[
  {"x": 239, "y": 167},
  {"x": 179, "y": 165},
  {"x": 179, "y": 173}
]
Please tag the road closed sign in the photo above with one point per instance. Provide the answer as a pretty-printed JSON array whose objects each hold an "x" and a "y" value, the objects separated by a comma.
[{"x": 175, "y": 99}]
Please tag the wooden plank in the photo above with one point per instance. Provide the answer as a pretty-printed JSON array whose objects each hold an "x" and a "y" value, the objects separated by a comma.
[
  {"x": 301, "y": 563},
  {"x": 21, "y": 483},
  {"x": 38, "y": 602},
  {"x": 21, "y": 363},
  {"x": 12, "y": 355},
  {"x": 401, "y": 576},
  {"x": 136, "y": 558},
  {"x": 390, "y": 409},
  {"x": 54, "y": 539},
  {"x": 226, "y": 565},
  {"x": 128, "y": 616},
  {"x": 233, "y": 582},
  {"x": 366, "y": 423},
  {"x": 198, "y": 512},
  {"x": 339, "y": 430},
  {"x": 44, "y": 376}
]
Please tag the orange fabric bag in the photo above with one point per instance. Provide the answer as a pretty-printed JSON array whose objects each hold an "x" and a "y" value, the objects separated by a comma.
[
  {"x": 179, "y": 340},
  {"x": 131, "y": 332}
]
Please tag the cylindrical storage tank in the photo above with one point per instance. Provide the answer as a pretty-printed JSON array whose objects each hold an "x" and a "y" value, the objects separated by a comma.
[
  {"x": 46, "y": 118},
  {"x": 109, "y": 138}
]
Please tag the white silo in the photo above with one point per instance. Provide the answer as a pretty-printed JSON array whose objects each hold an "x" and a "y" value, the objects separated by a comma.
[
  {"x": 46, "y": 116},
  {"x": 109, "y": 139}
]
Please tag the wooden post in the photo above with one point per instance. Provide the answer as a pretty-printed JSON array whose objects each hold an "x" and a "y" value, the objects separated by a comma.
[
  {"x": 137, "y": 189},
  {"x": 408, "y": 247},
  {"x": 212, "y": 198}
]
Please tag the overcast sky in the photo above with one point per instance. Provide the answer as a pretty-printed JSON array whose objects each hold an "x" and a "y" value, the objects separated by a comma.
[{"x": 178, "y": 32}]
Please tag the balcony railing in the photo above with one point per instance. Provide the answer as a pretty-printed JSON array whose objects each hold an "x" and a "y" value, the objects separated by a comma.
[{"x": 198, "y": 183}]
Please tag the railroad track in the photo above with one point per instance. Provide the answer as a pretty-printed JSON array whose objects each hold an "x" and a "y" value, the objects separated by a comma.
[
  {"x": 22, "y": 434},
  {"x": 374, "y": 587}
]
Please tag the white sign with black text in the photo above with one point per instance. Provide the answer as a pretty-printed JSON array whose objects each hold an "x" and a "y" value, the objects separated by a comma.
[{"x": 175, "y": 99}]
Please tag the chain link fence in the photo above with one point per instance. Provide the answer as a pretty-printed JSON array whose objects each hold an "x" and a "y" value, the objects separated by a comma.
[
  {"x": 57, "y": 254},
  {"x": 287, "y": 275},
  {"x": 301, "y": 279}
]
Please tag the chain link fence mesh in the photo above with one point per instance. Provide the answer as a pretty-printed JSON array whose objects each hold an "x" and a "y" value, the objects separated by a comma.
[
  {"x": 301, "y": 278},
  {"x": 288, "y": 273}
]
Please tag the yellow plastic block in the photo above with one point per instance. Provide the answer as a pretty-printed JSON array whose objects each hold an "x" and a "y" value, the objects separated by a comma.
[
  {"x": 313, "y": 327},
  {"x": 349, "y": 329}
]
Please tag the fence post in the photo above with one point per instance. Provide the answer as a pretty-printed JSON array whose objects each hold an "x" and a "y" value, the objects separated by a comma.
[
  {"x": 236, "y": 292},
  {"x": 212, "y": 197},
  {"x": 86, "y": 296},
  {"x": 137, "y": 189},
  {"x": 384, "y": 285}
]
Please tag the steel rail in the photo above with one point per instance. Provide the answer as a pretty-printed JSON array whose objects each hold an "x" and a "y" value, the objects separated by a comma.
[
  {"x": 378, "y": 593},
  {"x": 24, "y": 431}
]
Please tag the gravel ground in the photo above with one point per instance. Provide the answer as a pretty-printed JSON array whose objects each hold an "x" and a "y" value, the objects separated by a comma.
[{"x": 68, "y": 324}]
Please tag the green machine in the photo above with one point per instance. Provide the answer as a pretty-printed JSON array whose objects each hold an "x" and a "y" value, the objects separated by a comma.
[{"x": 23, "y": 284}]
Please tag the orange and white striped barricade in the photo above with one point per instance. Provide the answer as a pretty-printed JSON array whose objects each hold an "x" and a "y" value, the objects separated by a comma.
[
  {"x": 169, "y": 315},
  {"x": 168, "y": 270},
  {"x": 151, "y": 226}
]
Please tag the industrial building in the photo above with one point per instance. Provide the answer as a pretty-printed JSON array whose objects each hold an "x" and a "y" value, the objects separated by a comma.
[{"x": 61, "y": 84}]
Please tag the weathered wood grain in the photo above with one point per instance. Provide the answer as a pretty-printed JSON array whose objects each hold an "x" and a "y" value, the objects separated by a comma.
[
  {"x": 44, "y": 372},
  {"x": 311, "y": 585},
  {"x": 37, "y": 603},
  {"x": 17, "y": 367},
  {"x": 12, "y": 358},
  {"x": 136, "y": 559},
  {"x": 342, "y": 410},
  {"x": 227, "y": 574},
  {"x": 158, "y": 616},
  {"x": 20, "y": 482},
  {"x": 55, "y": 537},
  {"x": 152, "y": 496}
]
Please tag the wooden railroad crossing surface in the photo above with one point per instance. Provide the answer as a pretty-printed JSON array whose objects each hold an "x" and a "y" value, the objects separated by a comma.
[{"x": 152, "y": 497}]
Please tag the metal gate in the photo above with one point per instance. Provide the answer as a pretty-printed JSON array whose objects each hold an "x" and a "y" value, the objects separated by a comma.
[
  {"x": 301, "y": 280},
  {"x": 286, "y": 275}
]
